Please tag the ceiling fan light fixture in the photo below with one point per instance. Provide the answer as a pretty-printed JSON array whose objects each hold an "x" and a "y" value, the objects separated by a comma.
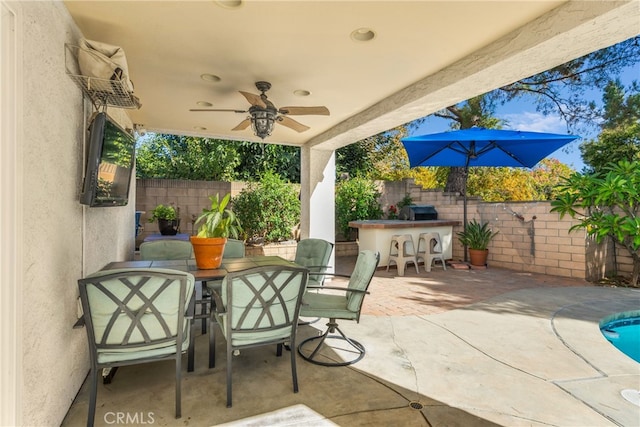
[{"x": 262, "y": 122}]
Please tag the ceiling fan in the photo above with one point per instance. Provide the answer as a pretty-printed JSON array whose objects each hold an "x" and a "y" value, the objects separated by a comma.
[{"x": 263, "y": 114}]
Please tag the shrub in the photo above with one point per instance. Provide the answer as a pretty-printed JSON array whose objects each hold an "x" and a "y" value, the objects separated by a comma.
[
  {"x": 269, "y": 209},
  {"x": 356, "y": 199}
]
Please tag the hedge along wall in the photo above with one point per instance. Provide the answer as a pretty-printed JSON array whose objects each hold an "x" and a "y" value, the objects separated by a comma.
[{"x": 541, "y": 245}]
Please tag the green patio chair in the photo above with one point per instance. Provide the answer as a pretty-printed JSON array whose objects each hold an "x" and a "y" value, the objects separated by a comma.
[
  {"x": 334, "y": 302},
  {"x": 136, "y": 316},
  {"x": 159, "y": 250},
  {"x": 314, "y": 254},
  {"x": 258, "y": 307}
]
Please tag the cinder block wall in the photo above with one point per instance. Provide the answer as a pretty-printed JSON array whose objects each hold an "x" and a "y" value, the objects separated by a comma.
[
  {"x": 530, "y": 239},
  {"x": 190, "y": 196},
  {"x": 542, "y": 244}
]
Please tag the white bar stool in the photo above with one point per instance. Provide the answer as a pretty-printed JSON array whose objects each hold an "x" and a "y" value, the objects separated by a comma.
[
  {"x": 429, "y": 249},
  {"x": 402, "y": 252}
]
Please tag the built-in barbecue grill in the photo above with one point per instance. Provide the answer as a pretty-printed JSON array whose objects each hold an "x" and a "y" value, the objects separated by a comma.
[{"x": 418, "y": 213}]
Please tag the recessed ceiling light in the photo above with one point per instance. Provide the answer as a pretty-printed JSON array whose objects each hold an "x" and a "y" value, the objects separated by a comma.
[
  {"x": 199, "y": 128},
  {"x": 363, "y": 34},
  {"x": 229, "y": 4},
  {"x": 204, "y": 104},
  {"x": 301, "y": 92},
  {"x": 210, "y": 77}
]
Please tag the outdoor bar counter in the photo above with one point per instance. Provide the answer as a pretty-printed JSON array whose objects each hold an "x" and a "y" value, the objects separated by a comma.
[{"x": 376, "y": 234}]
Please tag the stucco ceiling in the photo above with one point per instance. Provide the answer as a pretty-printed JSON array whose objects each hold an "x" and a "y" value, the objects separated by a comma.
[{"x": 425, "y": 55}]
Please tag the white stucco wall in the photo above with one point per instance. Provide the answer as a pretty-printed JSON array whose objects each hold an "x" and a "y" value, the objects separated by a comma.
[{"x": 62, "y": 239}]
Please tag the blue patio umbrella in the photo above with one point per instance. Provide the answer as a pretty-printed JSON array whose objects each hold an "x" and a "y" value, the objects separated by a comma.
[{"x": 482, "y": 147}]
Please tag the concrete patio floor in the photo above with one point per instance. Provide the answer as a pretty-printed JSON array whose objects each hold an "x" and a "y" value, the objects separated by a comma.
[{"x": 446, "y": 348}]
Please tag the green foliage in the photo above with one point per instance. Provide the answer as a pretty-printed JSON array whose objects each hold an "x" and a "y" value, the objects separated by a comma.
[
  {"x": 356, "y": 199},
  {"x": 258, "y": 158},
  {"x": 163, "y": 212},
  {"x": 606, "y": 204},
  {"x": 218, "y": 221},
  {"x": 477, "y": 235},
  {"x": 269, "y": 210},
  {"x": 561, "y": 90},
  {"x": 406, "y": 201},
  {"x": 546, "y": 176},
  {"x": 186, "y": 157},
  {"x": 620, "y": 135},
  {"x": 378, "y": 157}
]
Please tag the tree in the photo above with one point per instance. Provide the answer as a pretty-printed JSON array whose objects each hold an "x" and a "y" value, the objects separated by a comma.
[
  {"x": 356, "y": 199},
  {"x": 186, "y": 157},
  {"x": 620, "y": 135},
  {"x": 560, "y": 90},
  {"x": 478, "y": 111},
  {"x": 547, "y": 176},
  {"x": 607, "y": 205},
  {"x": 380, "y": 156},
  {"x": 257, "y": 158}
]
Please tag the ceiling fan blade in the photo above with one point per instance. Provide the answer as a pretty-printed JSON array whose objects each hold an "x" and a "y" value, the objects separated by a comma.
[
  {"x": 254, "y": 99},
  {"x": 304, "y": 111},
  {"x": 292, "y": 124},
  {"x": 209, "y": 109},
  {"x": 243, "y": 125}
]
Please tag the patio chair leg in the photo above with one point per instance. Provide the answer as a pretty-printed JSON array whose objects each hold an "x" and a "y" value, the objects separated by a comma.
[
  {"x": 212, "y": 345},
  {"x": 294, "y": 372},
  {"x": 229, "y": 360},
  {"x": 178, "y": 385},
  {"x": 332, "y": 327},
  {"x": 92, "y": 397}
]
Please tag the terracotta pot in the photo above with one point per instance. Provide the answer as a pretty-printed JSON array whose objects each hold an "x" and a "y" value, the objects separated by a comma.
[
  {"x": 208, "y": 251},
  {"x": 478, "y": 256}
]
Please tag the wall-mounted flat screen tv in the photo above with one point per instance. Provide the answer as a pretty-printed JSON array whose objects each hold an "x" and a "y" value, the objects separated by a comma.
[{"x": 110, "y": 163}]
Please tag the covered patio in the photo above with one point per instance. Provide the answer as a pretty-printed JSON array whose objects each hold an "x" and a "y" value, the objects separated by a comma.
[
  {"x": 456, "y": 348},
  {"x": 423, "y": 56}
]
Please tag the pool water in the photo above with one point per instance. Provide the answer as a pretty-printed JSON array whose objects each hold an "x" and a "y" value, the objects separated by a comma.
[{"x": 624, "y": 334}]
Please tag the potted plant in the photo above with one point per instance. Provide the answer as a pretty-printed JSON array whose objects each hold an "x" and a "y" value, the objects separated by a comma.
[
  {"x": 168, "y": 219},
  {"x": 216, "y": 224},
  {"x": 477, "y": 237}
]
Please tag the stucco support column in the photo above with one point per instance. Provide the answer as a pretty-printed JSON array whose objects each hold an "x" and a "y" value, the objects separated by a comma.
[{"x": 317, "y": 194}]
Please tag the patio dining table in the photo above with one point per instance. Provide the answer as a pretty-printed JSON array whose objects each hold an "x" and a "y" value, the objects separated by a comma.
[{"x": 230, "y": 265}]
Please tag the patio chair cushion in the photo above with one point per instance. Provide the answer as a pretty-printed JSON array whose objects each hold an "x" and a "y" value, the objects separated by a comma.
[
  {"x": 324, "y": 305},
  {"x": 152, "y": 327},
  {"x": 314, "y": 254},
  {"x": 250, "y": 324},
  {"x": 166, "y": 250}
]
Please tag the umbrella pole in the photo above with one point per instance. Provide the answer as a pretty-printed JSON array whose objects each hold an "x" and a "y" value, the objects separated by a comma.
[
  {"x": 464, "y": 208},
  {"x": 464, "y": 219}
]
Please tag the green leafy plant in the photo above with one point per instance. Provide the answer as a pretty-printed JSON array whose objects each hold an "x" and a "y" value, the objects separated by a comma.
[
  {"x": 607, "y": 205},
  {"x": 477, "y": 235},
  {"x": 356, "y": 199},
  {"x": 219, "y": 220},
  {"x": 406, "y": 201},
  {"x": 269, "y": 210},
  {"x": 161, "y": 211}
]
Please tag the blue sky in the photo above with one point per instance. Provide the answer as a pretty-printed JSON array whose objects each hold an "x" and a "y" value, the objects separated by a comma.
[{"x": 522, "y": 115}]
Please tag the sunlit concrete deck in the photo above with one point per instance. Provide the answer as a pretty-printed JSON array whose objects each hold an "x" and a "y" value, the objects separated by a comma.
[{"x": 470, "y": 347}]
